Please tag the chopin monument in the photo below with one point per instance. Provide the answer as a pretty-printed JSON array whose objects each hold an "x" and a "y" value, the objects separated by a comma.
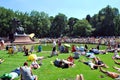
[{"x": 18, "y": 35}]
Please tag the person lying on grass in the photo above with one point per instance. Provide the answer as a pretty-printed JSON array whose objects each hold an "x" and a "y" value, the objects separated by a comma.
[
  {"x": 113, "y": 75},
  {"x": 92, "y": 65},
  {"x": 95, "y": 63},
  {"x": 34, "y": 64},
  {"x": 99, "y": 62},
  {"x": 33, "y": 57},
  {"x": 116, "y": 62},
  {"x": 40, "y": 58},
  {"x": 12, "y": 75},
  {"x": 116, "y": 68},
  {"x": 62, "y": 63}
]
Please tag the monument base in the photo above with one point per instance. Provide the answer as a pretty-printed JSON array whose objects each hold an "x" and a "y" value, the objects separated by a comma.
[{"x": 23, "y": 39}]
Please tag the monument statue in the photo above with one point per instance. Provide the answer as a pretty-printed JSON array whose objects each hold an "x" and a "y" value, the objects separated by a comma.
[{"x": 20, "y": 30}]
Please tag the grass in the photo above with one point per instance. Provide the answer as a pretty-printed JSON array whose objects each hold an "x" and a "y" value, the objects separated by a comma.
[{"x": 49, "y": 72}]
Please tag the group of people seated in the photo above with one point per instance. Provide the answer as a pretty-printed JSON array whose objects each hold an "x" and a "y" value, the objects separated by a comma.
[
  {"x": 95, "y": 63},
  {"x": 14, "y": 49}
]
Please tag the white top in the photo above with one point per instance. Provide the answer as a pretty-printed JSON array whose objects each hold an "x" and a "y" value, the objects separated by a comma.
[
  {"x": 54, "y": 43},
  {"x": 91, "y": 64}
]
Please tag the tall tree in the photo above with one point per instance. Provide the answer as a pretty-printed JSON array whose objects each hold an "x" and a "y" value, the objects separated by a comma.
[
  {"x": 40, "y": 23},
  {"x": 82, "y": 28},
  {"x": 104, "y": 22},
  {"x": 58, "y": 25},
  {"x": 88, "y": 18},
  {"x": 71, "y": 23},
  {"x": 117, "y": 25},
  {"x": 5, "y": 21}
]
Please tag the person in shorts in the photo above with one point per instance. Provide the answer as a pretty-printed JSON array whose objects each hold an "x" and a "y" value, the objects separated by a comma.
[{"x": 113, "y": 75}]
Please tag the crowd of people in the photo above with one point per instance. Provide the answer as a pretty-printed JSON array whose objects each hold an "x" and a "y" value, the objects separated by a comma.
[
  {"x": 86, "y": 40},
  {"x": 58, "y": 47},
  {"x": 25, "y": 71}
]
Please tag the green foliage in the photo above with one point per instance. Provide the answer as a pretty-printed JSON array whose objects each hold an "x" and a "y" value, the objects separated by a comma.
[
  {"x": 82, "y": 28},
  {"x": 105, "y": 23},
  {"x": 40, "y": 23},
  {"x": 58, "y": 25},
  {"x": 71, "y": 22},
  {"x": 117, "y": 25}
]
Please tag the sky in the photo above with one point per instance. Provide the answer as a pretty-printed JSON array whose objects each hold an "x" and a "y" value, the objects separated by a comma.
[{"x": 71, "y": 8}]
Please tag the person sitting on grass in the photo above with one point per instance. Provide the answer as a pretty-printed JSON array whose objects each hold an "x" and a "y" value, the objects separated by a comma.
[
  {"x": 26, "y": 73},
  {"x": 14, "y": 48},
  {"x": 62, "y": 48},
  {"x": 116, "y": 55},
  {"x": 76, "y": 53},
  {"x": 26, "y": 52},
  {"x": 73, "y": 48},
  {"x": 24, "y": 48},
  {"x": 10, "y": 50},
  {"x": 70, "y": 59},
  {"x": 66, "y": 50},
  {"x": 113, "y": 75},
  {"x": 39, "y": 48},
  {"x": 86, "y": 47},
  {"x": 31, "y": 49},
  {"x": 20, "y": 49}
]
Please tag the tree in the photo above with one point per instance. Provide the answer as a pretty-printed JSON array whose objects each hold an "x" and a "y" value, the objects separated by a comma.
[
  {"x": 58, "y": 25},
  {"x": 104, "y": 21},
  {"x": 5, "y": 21},
  {"x": 40, "y": 23},
  {"x": 88, "y": 18},
  {"x": 71, "y": 22},
  {"x": 82, "y": 28},
  {"x": 117, "y": 25}
]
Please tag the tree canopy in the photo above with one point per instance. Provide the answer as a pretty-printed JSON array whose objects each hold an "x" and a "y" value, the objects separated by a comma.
[{"x": 105, "y": 23}]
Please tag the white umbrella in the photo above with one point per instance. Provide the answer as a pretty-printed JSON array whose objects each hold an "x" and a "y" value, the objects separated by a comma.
[{"x": 67, "y": 45}]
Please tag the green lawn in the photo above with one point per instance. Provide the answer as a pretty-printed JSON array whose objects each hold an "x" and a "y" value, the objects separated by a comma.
[{"x": 49, "y": 72}]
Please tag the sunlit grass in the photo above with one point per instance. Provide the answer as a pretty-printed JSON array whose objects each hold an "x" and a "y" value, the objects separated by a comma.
[{"x": 49, "y": 72}]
